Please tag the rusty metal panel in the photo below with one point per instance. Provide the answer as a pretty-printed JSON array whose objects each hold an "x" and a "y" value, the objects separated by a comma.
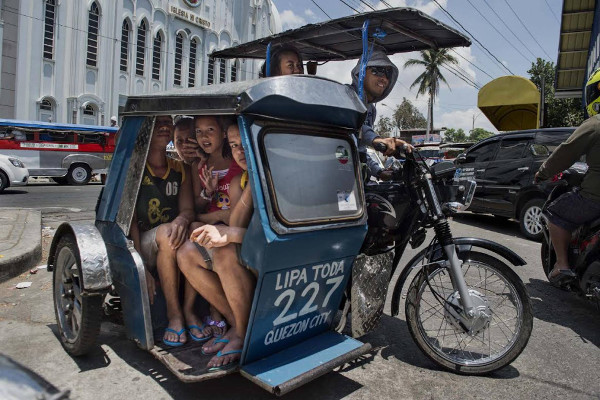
[{"x": 370, "y": 280}]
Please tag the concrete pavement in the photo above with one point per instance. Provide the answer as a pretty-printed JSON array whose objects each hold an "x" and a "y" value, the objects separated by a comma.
[{"x": 20, "y": 241}]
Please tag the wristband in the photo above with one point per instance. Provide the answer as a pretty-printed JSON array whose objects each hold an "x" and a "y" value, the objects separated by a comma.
[{"x": 205, "y": 195}]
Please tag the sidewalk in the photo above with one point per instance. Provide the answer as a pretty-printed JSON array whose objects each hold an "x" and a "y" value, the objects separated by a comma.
[{"x": 20, "y": 241}]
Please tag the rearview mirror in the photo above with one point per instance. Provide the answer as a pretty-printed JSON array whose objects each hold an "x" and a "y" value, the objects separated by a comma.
[
  {"x": 539, "y": 150},
  {"x": 461, "y": 158}
]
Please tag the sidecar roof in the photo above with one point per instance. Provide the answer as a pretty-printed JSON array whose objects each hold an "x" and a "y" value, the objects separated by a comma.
[
  {"x": 406, "y": 30},
  {"x": 293, "y": 97}
]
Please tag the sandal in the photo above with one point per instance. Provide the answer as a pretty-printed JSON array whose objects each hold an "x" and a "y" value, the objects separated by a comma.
[
  {"x": 563, "y": 276},
  {"x": 177, "y": 343},
  {"x": 228, "y": 366},
  {"x": 222, "y": 325},
  {"x": 201, "y": 329}
]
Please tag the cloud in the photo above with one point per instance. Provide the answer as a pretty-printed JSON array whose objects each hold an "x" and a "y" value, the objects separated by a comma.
[
  {"x": 309, "y": 13},
  {"x": 428, "y": 7},
  {"x": 291, "y": 20}
]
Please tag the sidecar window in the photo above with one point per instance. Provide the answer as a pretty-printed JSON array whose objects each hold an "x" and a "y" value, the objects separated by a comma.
[{"x": 312, "y": 178}]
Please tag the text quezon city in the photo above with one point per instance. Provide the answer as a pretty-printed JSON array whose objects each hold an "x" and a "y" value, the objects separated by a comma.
[
  {"x": 188, "y": 16},
  {"x": 312, "y": 280}
]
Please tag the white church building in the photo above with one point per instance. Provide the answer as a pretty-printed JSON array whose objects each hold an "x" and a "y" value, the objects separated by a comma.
[{"x": 76, "y": 61}]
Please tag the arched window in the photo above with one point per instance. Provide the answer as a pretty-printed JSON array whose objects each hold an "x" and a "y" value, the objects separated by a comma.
[
  {"x": 178, "y": 59},
  {"x": 211, "y": 72},
  {"x": 156, "y": 56},
  {"x": 92, "y": 37},
  {"x": 234, "y": 70},
  {"x": 193, "y": 62},
  {"x": 140, "y": 52},
  {"x": 90, "y": 115},
  {"x": 125, "y": 30},
  {"x": 222, "y": 70},
  {"x": 49, "y": 21},
  {"x": 46, "y": 111}
]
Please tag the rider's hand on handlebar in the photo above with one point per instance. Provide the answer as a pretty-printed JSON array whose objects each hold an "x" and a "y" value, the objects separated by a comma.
[
  {"x": 389, "y": 143},
  {"x": 537, "y": 178},
  {"x": 385, "y": 175}
]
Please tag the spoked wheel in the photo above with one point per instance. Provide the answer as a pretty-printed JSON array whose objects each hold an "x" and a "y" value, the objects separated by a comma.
[
  {"x": 78, "y": 317},
  {"x": 492, "y": 338}
]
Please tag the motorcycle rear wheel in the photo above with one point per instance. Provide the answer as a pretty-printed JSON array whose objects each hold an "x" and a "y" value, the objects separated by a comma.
[{"x": 497, "y": 336}]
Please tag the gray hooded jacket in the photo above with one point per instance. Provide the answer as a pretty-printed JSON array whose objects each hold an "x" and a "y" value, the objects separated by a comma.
[{"x": 378, "y": 59}]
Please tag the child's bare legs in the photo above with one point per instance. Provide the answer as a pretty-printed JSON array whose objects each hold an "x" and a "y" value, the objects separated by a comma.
[
  {"x": 205, "y": 282},
  {"x": 191, "y": 319},
  {"x": 238, "y": 284},
  {"x": 166, "y": 262}
]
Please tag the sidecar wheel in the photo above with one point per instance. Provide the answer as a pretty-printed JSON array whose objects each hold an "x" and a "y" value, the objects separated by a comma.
[
  {"x": 78, "y": 317},
  {"x": 491, "y": 340}
]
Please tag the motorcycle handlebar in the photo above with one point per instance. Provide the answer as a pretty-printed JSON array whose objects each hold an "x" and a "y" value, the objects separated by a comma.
[{"x": 399, "y": 153}]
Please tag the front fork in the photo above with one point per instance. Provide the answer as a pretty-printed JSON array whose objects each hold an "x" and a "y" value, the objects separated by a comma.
[{"x": 444, "y": 236}]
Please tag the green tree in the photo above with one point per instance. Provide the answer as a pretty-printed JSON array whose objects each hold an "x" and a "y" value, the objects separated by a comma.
[
  {"x": 429, "y": 81},
  {"x": 559, "y": 112},
  {"x": 478, "y": 134},
  {"x": 407, "y": 116},
  {"x": 455, "y": 135},
  {"x": 384, "y": 127}
]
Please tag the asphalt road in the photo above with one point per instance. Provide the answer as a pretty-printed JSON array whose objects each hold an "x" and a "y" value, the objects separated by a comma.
[
  {"x": 52, "y": 197},
  {"x": 560, "y": 361}
]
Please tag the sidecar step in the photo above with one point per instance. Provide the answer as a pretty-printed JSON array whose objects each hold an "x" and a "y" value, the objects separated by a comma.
[
  {"x": 187, "y": 362},
  {"x": 297, "y": 365}
]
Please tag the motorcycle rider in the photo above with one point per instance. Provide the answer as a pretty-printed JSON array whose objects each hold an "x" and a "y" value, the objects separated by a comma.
[
  {"x": 581, "y": 205},
  {"x": 380, "y": 77}
]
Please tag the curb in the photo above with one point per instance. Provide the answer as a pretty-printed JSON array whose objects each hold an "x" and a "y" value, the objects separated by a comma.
[{"x": 21, "y": 243}]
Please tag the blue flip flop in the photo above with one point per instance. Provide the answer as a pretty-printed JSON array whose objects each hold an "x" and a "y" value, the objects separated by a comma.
[
  {"x": 174, "y": 344},
  {"x": 201, "y": 329},
  {"x": 217, "y": 340},
  {"x": 228, "y": 366}
]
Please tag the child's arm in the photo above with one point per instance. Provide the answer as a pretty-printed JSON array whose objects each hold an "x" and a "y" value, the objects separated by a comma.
[
  {"x": 134, "y": 233},
  {"x": 180, "y": 224},
  {"x": 217, "y": 236},
  {"x": 241, "y": 214}
]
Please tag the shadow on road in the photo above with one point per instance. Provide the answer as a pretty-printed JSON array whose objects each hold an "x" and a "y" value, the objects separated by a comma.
[
  {"x": 394, "y": 340},
  {"x": 13, "y": 191},
  {"x": 564, "y": 308},
  {"x": 332, "y": 386}
]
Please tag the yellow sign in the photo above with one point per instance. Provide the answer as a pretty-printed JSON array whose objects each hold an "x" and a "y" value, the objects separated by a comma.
[
  {"x": 188, "y": 16},
  {"x": 108, "y": 157}
]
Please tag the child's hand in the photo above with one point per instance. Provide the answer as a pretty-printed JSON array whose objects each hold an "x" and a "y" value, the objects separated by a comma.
[
  {"x": 210, "y": 236},
  {"x": 209, "y": 179},
  {"x": 190, "y": 148},
  {"x": 176, "y": 232}
]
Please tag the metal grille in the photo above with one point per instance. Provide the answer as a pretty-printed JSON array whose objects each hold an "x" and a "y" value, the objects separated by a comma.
[
  {"x": 49, "y": 20},
  {"x": 140, "y": 54},
  {"x": 125, "y": 45},
  {"x": 222, "y": 70},
  {"x": 234, "y": 66},
  {"x": 193, "y": 61},
  {"x": 211, "y": 72},
  {"x": 92, "y": 39},
  {"x": 156, "y": 52},
  {"x": 370, "y": 280},
  {"x": 178, "y": 59}
]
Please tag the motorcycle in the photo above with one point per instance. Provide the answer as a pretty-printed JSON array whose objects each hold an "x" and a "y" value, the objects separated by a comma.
[
  {"x": 466, "y": 310},
  {"x": 584, "y": 249}
]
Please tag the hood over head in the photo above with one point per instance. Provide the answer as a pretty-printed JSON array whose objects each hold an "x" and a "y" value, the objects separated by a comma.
[{"x": 378, "y": 59}]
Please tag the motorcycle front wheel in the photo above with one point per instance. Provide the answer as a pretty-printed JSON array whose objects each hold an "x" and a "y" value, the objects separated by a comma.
[{"x": 475, "y": 345}]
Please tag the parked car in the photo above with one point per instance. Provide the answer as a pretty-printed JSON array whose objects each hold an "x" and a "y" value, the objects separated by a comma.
[
  {"x": 504, "y": 166},
  {"x": 430, "y": 152},
  {"x": 452, "y": 150},
  {"x": 12, "y": 172}
]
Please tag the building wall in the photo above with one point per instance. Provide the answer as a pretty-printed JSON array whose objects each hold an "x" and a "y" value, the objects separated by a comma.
[
  {"x": 9, "y": 23},
  {"x": 69, "y": 85}
]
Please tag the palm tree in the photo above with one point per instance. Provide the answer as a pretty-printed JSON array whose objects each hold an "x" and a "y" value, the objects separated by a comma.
[{"x": 429, "y": 80}]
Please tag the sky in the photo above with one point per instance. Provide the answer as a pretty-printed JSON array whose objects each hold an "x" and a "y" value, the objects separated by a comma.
[{"x": 514, "y": 32}]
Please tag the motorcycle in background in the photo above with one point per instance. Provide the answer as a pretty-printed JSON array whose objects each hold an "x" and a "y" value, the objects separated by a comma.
[{"x": 584, "y": 249}]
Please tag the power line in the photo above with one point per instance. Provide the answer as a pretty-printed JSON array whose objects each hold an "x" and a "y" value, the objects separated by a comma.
[
  {"x": 496, "y": 29},
  {"x": 552, "y": 11},
  {"x": 321, "y": 8},
  {"x": 462, "y": 77},
  {"x": 464, "y": 58},
  {"x": 354, "y": 9},
  {"x": 473, "y": 37},
  {"x": 367, "y": 4},
  {"x": 527, "y": 29},
  {"x": 509, "y": 29}
]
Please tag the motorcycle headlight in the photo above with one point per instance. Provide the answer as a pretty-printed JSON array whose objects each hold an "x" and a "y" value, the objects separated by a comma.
[{"x": 17, "y": 163}]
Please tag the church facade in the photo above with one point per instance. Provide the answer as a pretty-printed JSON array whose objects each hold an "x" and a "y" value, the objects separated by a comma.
[{"x": 76, "y": 61}]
